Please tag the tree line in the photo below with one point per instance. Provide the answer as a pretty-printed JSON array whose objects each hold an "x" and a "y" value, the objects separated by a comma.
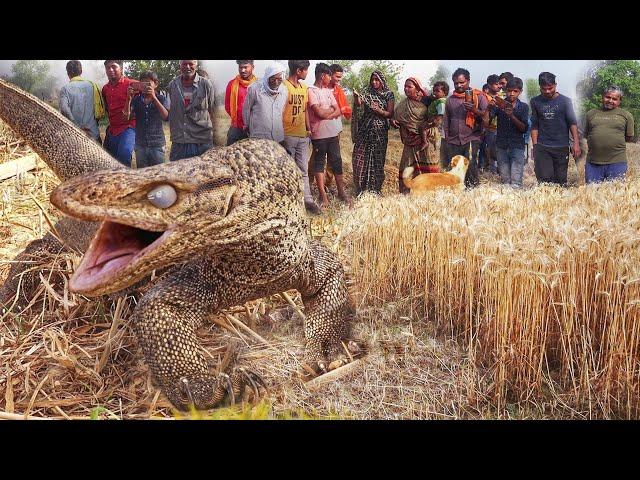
[{"x": 34, "y": 77}]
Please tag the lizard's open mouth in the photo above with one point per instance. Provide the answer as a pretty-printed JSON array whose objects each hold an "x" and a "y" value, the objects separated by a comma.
[{"x": 114, "y": 247}]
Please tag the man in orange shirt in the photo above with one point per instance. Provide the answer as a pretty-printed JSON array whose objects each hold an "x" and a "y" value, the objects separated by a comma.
[
  {"x": 234, "y": 99},
  {"x": 337, "y": 73}
]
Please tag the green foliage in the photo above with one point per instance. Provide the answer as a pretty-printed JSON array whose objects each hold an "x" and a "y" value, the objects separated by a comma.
[
  {"x": 531, "y": 88},
  {"x": 96, "y": 412},
  {"x": 623, "y": 73},
  {"x": 261, "y": 411},
  {"x": 442, "y": 74},
  {"x": 46, "y": 87},
  {"x": 360, "y": 80},
  {"x": 33, "y": 76},
  {"x": 166, "y": 70}
]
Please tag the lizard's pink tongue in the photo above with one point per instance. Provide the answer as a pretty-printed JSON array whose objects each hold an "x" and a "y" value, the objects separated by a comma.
[{"x": 113, "y": 247}]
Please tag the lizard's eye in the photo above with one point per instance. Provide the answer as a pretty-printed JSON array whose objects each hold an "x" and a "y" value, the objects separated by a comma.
[{"x": 162, "y": 196}]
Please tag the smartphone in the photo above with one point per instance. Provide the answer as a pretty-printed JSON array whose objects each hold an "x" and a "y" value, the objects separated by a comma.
[
  {"x": 500, "y": 103},
  {"x": 139, "y": 86},
  {"x": 468, "y": 95}
]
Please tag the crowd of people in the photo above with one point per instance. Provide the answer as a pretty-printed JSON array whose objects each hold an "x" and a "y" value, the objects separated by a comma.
[
  {"x": 136, "y": 111},
  {"x": 492, "y": 127}
]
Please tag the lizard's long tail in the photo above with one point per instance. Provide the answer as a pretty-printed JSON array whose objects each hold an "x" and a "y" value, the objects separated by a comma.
[{"x": 63, "y": 146}]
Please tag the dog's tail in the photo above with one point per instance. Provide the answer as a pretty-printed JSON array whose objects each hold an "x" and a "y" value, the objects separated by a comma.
[{"x": 406, "y": 177}]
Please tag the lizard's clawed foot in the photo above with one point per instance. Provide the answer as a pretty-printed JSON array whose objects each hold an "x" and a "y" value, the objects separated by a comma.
[
  {"x": 203, "y": 392},
  {"x": 245, "y": 376},
  {"x": 338, "y": 355}
]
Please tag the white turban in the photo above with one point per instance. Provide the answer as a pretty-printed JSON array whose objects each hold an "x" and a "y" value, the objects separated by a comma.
[{"x": 272, "y": 69}]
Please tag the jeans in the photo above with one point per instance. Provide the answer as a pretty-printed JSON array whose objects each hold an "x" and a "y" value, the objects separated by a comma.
[
  {"x": 188, "y": 150},
  {"x": 121, "y": 146},
  {"x": 470, "y": 151},
  {"x": 148, "y": 156},
  {"x": 511, "y": 165},
  {"x": 234, "y": 134},
  {"x": 551, "y": 164},
  {"x": 481, "y": 153},
  {"x": 490, "y": 155},
  {"x": 298, "y": 148},
  {"x": 599, "y": 173}
]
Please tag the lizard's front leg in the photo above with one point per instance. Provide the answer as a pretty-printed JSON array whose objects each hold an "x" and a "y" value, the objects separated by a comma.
[
  {"x": 329, "y": 309},
  {"x": 165, "y": 322}
]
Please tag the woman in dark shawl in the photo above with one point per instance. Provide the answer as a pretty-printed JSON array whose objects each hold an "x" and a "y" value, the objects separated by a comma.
[{"x": 371, "y": 134}]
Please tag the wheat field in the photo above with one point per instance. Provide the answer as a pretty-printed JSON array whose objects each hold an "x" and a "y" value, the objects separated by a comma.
[{"x": 490, "y": 303}]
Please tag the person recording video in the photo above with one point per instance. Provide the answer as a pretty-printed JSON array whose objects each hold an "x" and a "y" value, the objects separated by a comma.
[{"x": 150, "y": 109}]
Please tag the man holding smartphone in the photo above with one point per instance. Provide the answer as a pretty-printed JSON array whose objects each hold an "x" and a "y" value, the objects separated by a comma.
[
  {"x": 150, "y": 109},
  {"x": 463, "y": 116},
  {"x": 511, "y": 116}
]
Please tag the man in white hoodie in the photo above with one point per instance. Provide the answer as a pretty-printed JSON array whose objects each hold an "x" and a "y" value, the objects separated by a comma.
[{"x": 264, "y": 105}]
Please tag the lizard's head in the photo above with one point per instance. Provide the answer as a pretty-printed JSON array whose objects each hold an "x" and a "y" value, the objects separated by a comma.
[{"x": 170, "y": 213}]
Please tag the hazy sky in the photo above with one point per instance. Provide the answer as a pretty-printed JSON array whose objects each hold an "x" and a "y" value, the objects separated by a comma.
[{"x": 566, "y": 71}]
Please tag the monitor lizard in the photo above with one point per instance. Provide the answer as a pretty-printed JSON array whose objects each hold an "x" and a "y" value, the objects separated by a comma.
[{"x": 229, "y": 226}]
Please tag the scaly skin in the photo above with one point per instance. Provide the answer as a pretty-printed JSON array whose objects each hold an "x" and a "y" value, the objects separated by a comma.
[{"x": 237, "y": 232}]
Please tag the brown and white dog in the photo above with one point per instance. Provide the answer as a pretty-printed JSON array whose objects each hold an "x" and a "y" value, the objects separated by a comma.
[{"x": 426, "y": 182}]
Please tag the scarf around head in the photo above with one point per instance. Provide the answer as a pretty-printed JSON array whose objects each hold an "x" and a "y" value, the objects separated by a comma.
[
  {"x": 98, "y": 105},
  {"x": 233, "y": 100},
  {"x": 418, "y": 85},
  {"x": 373, "y": 95},
  {"x": 271, "y": 70},
  {"x": 470, "y": 119},
  {"x": 383, "y": 81}
]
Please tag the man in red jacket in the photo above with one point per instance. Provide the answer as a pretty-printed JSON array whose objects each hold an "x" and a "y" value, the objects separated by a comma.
[{"x": 121, "y": 134}]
